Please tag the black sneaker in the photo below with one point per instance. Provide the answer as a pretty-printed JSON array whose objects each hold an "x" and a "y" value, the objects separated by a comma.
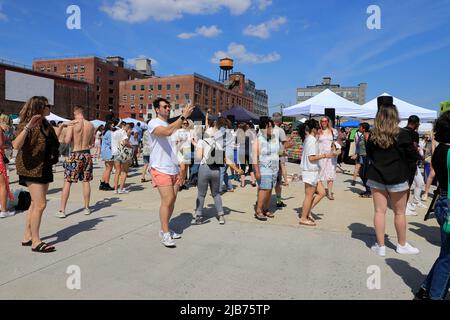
[
  {"x": 107, "y": 187},
  {"x": 281, "y": 204},
  {"x": 102, "y": 186},
  {"x": 353, "y": 183},
  {"x": 422, "y": 294}
]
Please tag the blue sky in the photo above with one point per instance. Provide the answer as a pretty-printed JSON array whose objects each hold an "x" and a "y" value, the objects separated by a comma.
[{"x": 279, "y": 44}]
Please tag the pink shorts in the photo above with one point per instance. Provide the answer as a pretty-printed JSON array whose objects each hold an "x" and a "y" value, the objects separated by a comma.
[{"x": 160, "y": 179}]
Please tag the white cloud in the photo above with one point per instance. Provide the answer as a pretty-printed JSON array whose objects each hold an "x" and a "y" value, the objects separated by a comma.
[
  {"x": 204, "y": 31},
  {"x": 239, "y": 52},
  {"x": 263, "y": 30},
  {"x": 3, "y": 17},
  {"x": 263, "y": 4},
  {"x": 167, "y": 10},
  {"x": 132, "y": 61}
]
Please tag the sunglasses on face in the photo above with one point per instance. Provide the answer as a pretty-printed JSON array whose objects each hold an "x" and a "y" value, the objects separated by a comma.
[{"x": 326, "y": 121}]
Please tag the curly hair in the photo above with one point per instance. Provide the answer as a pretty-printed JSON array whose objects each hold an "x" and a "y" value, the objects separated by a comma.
[
  {"x": 34, "y": 106},
  {"x": 442, "y": 128}
]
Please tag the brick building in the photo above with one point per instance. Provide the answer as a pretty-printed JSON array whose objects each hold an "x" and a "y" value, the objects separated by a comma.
[
  {"x": 65, "y": 93},
  {"x": 103, "y": 74},
  {"x": 137, "y": 96}
]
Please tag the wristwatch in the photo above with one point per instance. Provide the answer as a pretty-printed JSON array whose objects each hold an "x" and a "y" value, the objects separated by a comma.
[{"x": 182, "y": 118}]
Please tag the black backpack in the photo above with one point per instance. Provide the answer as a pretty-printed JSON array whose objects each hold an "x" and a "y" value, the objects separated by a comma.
[{"x": 24, "y": 201}]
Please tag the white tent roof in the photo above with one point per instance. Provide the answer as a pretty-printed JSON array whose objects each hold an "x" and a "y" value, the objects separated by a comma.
[
  {"x": 128, "y": 120},
  {"x": 50, "y": 117},
  {"x": 424, "y": 127},
  {"x": 326, "y": 99},
  {"x": 98, "y": 123},
  {"x": 404, "y": 108}
]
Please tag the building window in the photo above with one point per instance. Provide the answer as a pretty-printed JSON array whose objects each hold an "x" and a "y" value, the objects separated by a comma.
[
  {"x": 75, "y": 76},
  {"x": 124, "y": 97},
  {"x": 42, "y": 69},
  {"x": 97, "y": 115},
  {"x": 177, "y": 97},
  {"x": 98, "y": 79},
  {"x": 111, "y": 91},
  {"x": 98, "y": 107},
  {"x": 141, "y": 115},
  {"x": 111, "y": 73},
  {"x": 68, "y": 68},
  {"x": 141, "y": 107},
  {"x": 99, "y": 69},
  {"x": 82, "y": 78},
  {"x": 68, "y": 76},
  {"x": 133, "y": 115},
  {"x": 141, "y": 97},
  {"x": 132, "y": 106},
  {"x": 81, "y": 67},
  {"x": 75, "y": 68},
  {"x": 133, "y": 87},
  {"x": 111, "y": 100},
  {"x": 132, "y": 97},
  {"x": 142, "y": 87},
  {"x": 168, "y": 87},
  {"x": 111, "y": 82},
  {"x": 149, "y": 106},
  {"x": 150, "y": 87},
  {"x": 159, "y": 87},
  {"x": 168, "y": 97},
  {"x": 177, "y": 106},
  {"x": 150, "y": 97},
  {"x": 177, "y": 87},
  {"x": 187, "y": 96},
  {"x": 48, "y": 69},
  {"x": 159, "y": 96}
]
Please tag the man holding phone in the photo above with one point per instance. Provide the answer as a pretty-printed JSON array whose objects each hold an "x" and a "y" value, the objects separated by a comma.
[{"x": 164, "y": 166}]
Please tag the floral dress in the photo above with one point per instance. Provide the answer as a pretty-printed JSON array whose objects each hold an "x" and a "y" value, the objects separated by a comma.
[{"x": 327, "y": 166}]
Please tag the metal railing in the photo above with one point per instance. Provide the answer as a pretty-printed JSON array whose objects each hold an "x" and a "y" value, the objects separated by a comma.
[{"x": 15, "y": 64}]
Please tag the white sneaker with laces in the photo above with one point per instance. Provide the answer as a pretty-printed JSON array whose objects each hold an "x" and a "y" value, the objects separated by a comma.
[
  {"x": 60, "y": 214},
  {"x": 173, "y": 234},
  {"x": 168, "y": 241},
  {"x": 380, "y": 251},
  {"x": 123, "y": 191},
  {"x": 411, "y": 206},
  {"x": 87, "y": 211},
  {"x": 407, "y": 249},
  {"x": 11, "y": 213},
  {"x": 410, "y": 213}
]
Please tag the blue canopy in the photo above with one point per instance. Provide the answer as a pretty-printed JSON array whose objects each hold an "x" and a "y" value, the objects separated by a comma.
[
  {"x": 351, "y": 124},
  {"x": 241, "y": 114}
]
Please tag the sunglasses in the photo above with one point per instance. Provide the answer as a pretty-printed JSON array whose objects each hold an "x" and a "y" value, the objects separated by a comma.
[{"x": 167, "y": 106}]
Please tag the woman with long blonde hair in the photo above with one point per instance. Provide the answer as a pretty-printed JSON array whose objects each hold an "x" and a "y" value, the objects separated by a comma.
[
  {"x": 5, "y": 193},
  {"x": 390, "y": 151},
  {"x": 37, "y": 146},
  {"x": 326, "y": 136}
]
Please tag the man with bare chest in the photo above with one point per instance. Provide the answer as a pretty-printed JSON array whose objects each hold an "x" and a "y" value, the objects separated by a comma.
[{"x": 80, "y": 135}]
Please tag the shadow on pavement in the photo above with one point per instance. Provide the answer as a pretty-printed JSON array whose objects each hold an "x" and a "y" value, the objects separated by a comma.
[
  {"x": 69, "y": 232},
  {"x": 367, "y": 235},
  {"x": 314, "y": 215},
  {"x": 105, "y": 203},
  {"x": 56, "y": 190},
  {"x": 412, "y": 277},
  {"x": 431, "y": 234},
  {"x": 181, "y": 222}
]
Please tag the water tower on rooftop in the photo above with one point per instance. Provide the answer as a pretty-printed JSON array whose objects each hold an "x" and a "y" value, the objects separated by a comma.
[{"x": 226, "y": 68}]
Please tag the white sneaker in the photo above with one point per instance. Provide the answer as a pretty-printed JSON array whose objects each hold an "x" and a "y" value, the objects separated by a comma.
[
  {"x": 425, "y": 197},
  {"x": 420, "y": 204},
  {"x": 168, "y": 241},
  {"x": 123, "y": 191},
  {"x": 6, "y": 214},
  {"x": 87, "y": 211},
  {"x": 221, "y": 220},
  {"x": 173, "y": 234},
  {"x": 380, "y": 251},
  {"x": 410, "y": 213},
  {"x": 410, "y": 206},
  {"x": 11, "y": 213},
  {"x": 60, "y": 215},
  {"x": 407, "y": 249}
]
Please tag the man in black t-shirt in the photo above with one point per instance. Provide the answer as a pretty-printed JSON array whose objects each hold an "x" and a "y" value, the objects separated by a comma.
[{"x": 415, "y": 174}]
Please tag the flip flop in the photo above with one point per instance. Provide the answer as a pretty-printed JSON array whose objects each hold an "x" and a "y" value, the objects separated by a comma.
[
  {"x": 307, "y": 224},
  {"x": 27, "y": 244},
  {"x": 269, "y": 215},
  {"x": 260, "y": 217},
  {"x": 43, "y": 248}
]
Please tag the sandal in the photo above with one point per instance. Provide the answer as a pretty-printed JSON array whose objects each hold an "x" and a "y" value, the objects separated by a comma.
[
  {"x": 43, "y": 248},
  {"x": 269, "y": 214},
  {"x": 311, "y": 219},
  {"x": 308, "y": 224},
  {"x": 27, "y": 244},
  {"x": 260, "y": 216}
]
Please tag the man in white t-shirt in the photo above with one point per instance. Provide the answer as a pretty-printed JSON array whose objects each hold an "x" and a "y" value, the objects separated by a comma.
[{"x": 164, "y": 166}]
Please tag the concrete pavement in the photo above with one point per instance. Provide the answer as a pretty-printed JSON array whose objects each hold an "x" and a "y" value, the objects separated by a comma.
[{"x": 120, "y": 257}]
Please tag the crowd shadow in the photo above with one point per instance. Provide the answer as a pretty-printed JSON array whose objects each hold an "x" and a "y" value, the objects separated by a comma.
[
  {"x": 430, "y": 234},
  {"x": 181, "y": 222},
  {"x": 355, "y": 190},
  {"x": 135, "y": 187},
  {"x": 55, "y": 190},
  {"x": 367, "y": 235},
  {"x": 315, "y": 216},
  {"x": 411, "y": 276},
  {"x": 135, "y": 174},
  {"x": 71, "y": 231}
]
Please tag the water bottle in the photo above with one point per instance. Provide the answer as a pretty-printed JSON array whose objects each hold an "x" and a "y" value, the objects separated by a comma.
[{"x": 446, "y": 226}]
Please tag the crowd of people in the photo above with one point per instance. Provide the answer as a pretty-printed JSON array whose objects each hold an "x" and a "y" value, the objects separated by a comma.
[{"x": 182, "y": 154}]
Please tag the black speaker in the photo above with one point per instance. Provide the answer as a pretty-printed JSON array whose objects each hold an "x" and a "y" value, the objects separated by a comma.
[{"x": 331, "y": 113}]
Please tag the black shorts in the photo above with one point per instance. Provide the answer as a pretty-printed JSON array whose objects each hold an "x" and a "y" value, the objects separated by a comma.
[{"x": 47, "y": 177}]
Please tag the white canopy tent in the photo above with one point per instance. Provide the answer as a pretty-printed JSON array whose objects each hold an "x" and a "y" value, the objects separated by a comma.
[
  {"x": 98, "y": 123},
  {"x": 326, "y": 99},
  {"x": 423, "y": 129},
  {"x": 128, "y": 120},
  {"x": 50, "y": 117},
  {"x": 404, "y": 108}
]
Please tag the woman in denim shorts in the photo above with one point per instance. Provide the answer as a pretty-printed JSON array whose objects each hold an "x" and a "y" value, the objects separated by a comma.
[
  {"x": 266, "y": 151},
  {"x": 391, "y": 152},
  {"x": 437, "y": 283}
]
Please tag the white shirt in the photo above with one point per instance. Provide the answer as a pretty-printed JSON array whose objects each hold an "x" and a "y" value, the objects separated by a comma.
[
  {"x": 162, "y": 150},
  {"x": 310, "y": 148},
  {"x": 281, "y": 136},
  {"x": 207, "y": 145},
  {"x": 116, "y": 138}
]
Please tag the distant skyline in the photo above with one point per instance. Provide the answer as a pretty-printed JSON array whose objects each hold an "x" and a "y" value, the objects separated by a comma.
[{"x": 279, "y": 44}]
